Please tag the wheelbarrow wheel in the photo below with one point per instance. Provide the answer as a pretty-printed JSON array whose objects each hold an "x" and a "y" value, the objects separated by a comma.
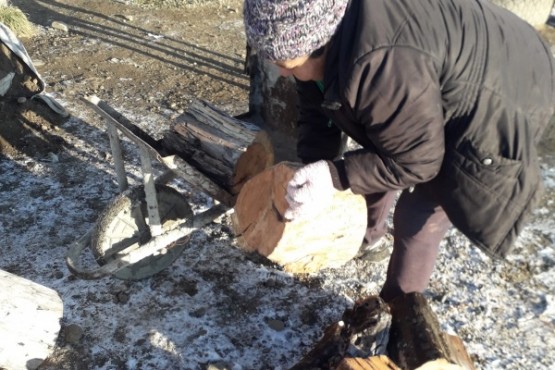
[{"x": 125, "y": 222}]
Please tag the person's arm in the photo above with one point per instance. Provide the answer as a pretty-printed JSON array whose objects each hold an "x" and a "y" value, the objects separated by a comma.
[
  {"x": 318, "y": 138},
  {"x": 395, "y": 95}
]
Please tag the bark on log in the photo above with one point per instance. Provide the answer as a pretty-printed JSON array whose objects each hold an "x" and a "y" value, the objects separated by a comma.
[
  {"x": 30, "y": 323},
  {"x": 371, "y": 363},
  {"x": 416, "y": 341},
  {"x": 327, "y": 240},
  {"x": 227, "y": 150}
]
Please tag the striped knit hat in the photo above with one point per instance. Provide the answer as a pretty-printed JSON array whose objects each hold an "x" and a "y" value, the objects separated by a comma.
[{"x": 287, "y": 29}]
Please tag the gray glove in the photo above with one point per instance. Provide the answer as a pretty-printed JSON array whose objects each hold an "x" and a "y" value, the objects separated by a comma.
[{"x": 309, "y": 191}]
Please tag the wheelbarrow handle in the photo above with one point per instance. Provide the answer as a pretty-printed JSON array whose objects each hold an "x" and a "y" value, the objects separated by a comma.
[{"x": 160, "y": 244}]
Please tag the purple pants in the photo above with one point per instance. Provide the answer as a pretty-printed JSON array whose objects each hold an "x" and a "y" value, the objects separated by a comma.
[{"x": 419, "y": 225}]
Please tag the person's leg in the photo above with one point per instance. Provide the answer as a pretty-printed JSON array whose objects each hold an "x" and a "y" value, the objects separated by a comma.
[
  {"x": 419, "y": 225},
  {"x": 378, "y": 205},
  {"x": 373, "y": 248}
]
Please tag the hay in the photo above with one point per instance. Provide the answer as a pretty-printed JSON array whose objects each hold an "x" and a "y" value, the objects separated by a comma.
[{"x": 17, "y": 21}]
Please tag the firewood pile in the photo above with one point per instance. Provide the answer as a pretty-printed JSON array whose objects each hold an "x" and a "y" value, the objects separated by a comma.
[{"x": 373, "y": 335}]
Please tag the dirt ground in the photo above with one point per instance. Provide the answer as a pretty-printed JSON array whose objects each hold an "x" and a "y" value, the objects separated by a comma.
[{"x": 148, "y": 60}]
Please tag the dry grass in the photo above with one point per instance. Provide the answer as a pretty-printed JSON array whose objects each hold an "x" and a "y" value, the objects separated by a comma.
[{"x": 17, "y": 21}]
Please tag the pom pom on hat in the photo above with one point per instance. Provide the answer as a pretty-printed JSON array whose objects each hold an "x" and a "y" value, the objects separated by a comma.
[{"x": 287, "y": 29}]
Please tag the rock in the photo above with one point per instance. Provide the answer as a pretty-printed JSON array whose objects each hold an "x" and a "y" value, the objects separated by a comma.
[
  {"x": 126, "y": 17},
  {"x": 73, "y": 333},
  {"x": 218, "y": 366},
  {"x": 277, "y": 325},
  {"x": 548, "y": 315},
  {"x": 60, "y": 26}
]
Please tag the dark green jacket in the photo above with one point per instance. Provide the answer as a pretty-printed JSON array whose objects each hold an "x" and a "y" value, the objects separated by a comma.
[{"x": 447, "y": 94}]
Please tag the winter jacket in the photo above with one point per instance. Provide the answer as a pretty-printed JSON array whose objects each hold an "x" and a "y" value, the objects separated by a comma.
[{"x": 447, "y": 94}]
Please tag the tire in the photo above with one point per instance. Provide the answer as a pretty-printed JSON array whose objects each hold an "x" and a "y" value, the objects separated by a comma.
[{"x": 125, "y": 222}]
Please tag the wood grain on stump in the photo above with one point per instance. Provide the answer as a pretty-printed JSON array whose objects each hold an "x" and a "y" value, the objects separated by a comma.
[{"x": 326, "y": 240}]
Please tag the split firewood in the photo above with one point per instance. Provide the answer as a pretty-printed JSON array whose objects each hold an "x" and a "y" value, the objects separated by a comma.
[
  {"x": 329, "y": 350},
  {"x": 30, "y": 323},
  {"x": 227, "y": 150},
  {"x": 326, "y": 240},
  {"x": 362, "y": 332},
  {"x": 416, "y": 341},
  {"x": 381, "y": 362}
]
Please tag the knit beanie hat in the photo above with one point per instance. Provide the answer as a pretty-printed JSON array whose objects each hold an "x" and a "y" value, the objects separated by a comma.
[{"x": 287, "y": 29}]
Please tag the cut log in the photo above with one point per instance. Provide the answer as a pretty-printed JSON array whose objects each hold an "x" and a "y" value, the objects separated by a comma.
[
  {"x": 416, "y": 341},
  {"x": 30, "y": 323},
  {"x": 226, "y": 150},
  {"x": 329, "y": 350},
  {"x": 306, "y": 245},
  {"x": 372, "y": 363}
]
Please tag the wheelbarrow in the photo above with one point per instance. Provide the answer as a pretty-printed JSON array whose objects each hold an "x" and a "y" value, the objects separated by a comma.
[{"x": 144, "y": 229}]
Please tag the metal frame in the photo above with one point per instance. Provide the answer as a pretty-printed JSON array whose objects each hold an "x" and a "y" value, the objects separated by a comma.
[{"x": 161, "y": 241}]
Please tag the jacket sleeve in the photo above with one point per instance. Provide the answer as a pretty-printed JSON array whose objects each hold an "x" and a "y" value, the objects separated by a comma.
[
  {"x": 395, "y": 94},
  {"x": 317, "y": 138}
]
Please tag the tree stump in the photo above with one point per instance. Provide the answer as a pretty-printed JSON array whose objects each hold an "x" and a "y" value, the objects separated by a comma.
[
  {"x": 30, "y": 323},
  {"x": 416, "y": 341},
  {"x": 227, "y": 150},
  {"x": 327, "y": 240}
]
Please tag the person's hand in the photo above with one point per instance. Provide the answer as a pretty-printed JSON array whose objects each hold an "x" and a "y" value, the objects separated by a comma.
[{"x": 310, "y": 189}]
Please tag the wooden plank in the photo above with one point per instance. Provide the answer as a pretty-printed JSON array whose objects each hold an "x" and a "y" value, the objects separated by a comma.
[
  {"x": 30, "y": 317},
  {"x": 371, "y": 363}
]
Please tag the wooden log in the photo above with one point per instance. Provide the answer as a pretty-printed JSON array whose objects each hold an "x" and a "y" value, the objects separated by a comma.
[
  {"x": 327, "y": 240},
  {"x": 227, "y": 150},
  {"x": 362, "y": 332},
  {"x": 30, "y": 323},
  {"x": 416, "y": 341},
  {"x": 381, "y": 362}
]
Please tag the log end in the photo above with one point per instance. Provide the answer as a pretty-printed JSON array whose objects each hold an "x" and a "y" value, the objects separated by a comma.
[
  {"x": 327, "y": 240},
  {"x": 257, "y": 157}
]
